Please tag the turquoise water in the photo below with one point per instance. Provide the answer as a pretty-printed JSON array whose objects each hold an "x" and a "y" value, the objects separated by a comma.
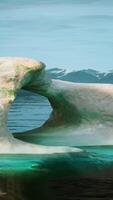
[{"x": 87, "y": 175}]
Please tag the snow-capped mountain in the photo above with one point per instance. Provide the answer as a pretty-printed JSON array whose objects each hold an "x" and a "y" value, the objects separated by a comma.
[{"x": 82, "y": 76}]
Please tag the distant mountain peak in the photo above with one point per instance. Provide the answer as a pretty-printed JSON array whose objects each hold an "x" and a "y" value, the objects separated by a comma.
[{"x": 82, "y": 76}]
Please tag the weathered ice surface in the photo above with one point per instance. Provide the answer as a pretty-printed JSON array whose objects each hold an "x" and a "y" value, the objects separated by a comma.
[
  {"x": 83, "y": 112},
  {"x": 16, "y": 73},
  {"x": 82, "y": 115}
]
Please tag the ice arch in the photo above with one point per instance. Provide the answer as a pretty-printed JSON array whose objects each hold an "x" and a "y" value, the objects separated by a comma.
[
  {"x": 86, "y": 108},
  {"x": 17, "y": 73}
]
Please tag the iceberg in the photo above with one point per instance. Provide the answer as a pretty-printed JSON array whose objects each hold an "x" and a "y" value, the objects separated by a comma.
[
  {"x": 17, "y": 73},
  {"x": 84, "y": 109}
]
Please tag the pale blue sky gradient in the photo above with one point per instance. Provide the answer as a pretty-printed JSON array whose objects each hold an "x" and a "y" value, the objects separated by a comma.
[{"x": 72, "y": 34}]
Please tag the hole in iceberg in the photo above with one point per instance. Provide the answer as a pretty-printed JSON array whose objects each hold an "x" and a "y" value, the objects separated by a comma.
[{"x": 28, "y": 111}]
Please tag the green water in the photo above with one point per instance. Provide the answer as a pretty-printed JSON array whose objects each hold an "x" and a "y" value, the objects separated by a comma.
[
  {"x": 52, "y": 176},
  {"x": 92, "y": 157}
]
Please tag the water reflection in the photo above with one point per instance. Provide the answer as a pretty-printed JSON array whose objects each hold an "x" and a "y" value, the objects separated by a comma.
[{"x": 59, "y": 176}]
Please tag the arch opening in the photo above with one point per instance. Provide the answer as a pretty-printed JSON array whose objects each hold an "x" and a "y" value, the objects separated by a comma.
[
  {"x": 17, "y": 73},
  {"x": 28, "y": 111}
]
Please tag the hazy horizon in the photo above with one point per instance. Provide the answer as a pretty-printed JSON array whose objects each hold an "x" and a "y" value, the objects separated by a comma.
[{"x": 70, "y": 34}]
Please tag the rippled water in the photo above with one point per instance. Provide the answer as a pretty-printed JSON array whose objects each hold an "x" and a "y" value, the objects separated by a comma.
[{"x": 28, "y": 111}]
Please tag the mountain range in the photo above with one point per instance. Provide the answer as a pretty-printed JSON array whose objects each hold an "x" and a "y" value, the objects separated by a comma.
[{"x": 81, "y": 76}]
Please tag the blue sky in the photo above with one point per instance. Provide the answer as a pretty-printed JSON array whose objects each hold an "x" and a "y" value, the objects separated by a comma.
[{"x": 72, "y": 34}]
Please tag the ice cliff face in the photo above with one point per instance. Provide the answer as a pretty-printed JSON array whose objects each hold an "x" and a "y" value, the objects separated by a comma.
[
  {"x": 14, "y": 74},
  {"x": 17, "y": 73}
]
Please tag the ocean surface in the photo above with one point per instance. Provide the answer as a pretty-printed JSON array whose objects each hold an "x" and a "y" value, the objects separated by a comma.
[
  {"x": 86, "y": 175},
  {"x": 28, "y": 111}
]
